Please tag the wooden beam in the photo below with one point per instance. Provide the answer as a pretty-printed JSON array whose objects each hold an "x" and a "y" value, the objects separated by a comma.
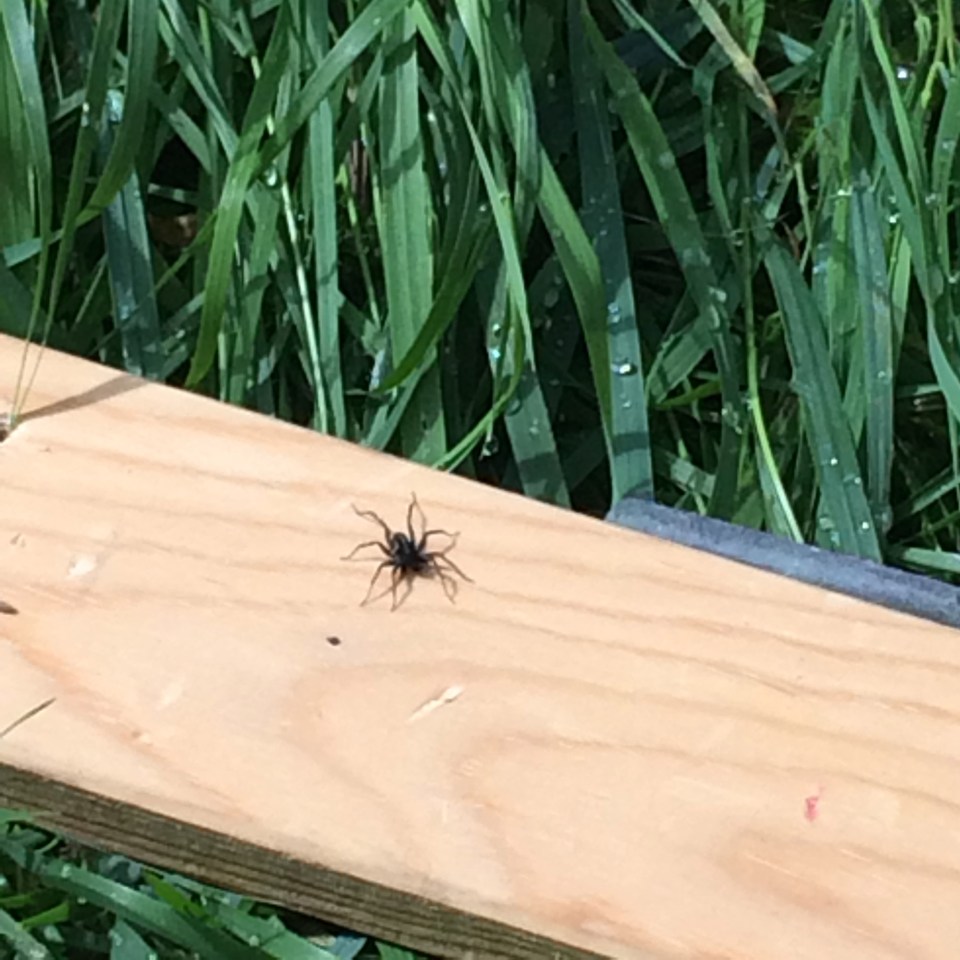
[{"x": 610, "y": 742}]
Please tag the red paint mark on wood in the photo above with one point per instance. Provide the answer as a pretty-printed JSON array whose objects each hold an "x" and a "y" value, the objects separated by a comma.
[{"x": 812, "y": 805}]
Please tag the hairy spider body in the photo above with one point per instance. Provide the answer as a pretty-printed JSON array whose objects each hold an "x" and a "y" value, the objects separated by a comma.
[{"x": 406, "y": 556}]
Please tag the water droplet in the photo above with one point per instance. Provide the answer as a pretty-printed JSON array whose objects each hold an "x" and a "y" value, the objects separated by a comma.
[
  {"x": 490, "y": 447},
  {"x": 904, "y": 72},
  {"x": 865, "y": 525},
  {"x": 885, "y": 519},
  {"x": 535, "y": 428},
  {"x": 666, "y": 160},
  {"x": 627, "y": 404},
  {"x": 893, "y": 219},
  {"x": 718, "y": 294},
  {"x": 623, "y": 368},
  {"x": 496, "y": 330},
  {"x": 844, "y": 192},
  {"x": 495, "y": 354},
  {"x": 948, "y": 144},
  {"x": 271, "y": 178},
  {"x": 883, "y": 376},
  {"x": 833, "y": 461},
  {"x": 85, "y": 120},
  {"x": 613, "y": 312},
  {"x": 931, "y": 199},
  {"x": 551, "y": 80},
  {"x": 693, "y": 258},
  {"x": 551, "y": 297}
]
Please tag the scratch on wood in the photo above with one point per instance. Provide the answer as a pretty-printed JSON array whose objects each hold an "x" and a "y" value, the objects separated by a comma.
[{"x": 448, "y": 696}]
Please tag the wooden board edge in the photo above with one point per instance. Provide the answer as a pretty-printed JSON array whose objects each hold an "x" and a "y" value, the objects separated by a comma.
[{"x": 360, "y": 906}]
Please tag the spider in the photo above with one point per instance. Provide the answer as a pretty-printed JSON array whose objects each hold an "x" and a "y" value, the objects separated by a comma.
[{"x": 408, "y": 557}]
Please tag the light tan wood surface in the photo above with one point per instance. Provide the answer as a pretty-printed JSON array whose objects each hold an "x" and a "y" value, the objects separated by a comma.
[{"x": 610, "y": 742}]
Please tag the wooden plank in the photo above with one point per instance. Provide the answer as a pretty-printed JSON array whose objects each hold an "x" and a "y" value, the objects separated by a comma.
[{"x": 609, "y": 742}]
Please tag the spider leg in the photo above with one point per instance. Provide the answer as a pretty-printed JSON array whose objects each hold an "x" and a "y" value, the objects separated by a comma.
[
  {"x": 415, "y": 505},
  {"x": 369, "y": 543},
  {"x": 442, "y": 555},
  {"x": 373, "y": 582},
  {"x": 448, "y": 583},
  {"x": 373, "y": 518},
  {"x": 427, "y": 534},
  {"x": 406, "y": 581}
]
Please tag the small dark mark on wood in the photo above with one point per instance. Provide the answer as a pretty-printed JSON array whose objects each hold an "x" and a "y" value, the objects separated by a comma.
[
  {"x": 333, "y": 641},
  {"x": 8, "y": 608}
]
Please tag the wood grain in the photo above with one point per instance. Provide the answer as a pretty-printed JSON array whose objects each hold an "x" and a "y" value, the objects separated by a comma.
[{"x": 609, "y": 742}]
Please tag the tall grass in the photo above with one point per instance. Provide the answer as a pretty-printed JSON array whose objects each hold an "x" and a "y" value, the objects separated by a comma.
[{"x": 708, "y": 252}]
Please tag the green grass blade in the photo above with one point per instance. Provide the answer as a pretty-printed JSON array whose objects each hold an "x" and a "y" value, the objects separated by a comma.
[
  {"x": 829, "y": 435},
  {"x": 632, "y": 465},
  {"x": 230, "y": 209},
  {"x": 658, "y": 166},
  {"x": 322, "y": 203},
  {"x": 404, "y": 225},
  {"x": 22, "y": 942},
  {"x": 142, "y": 42},
  {"x": 876, "y": 331},
  {"x": 18, "y": 37},
  {"x": 130, "y": 268},
  {"x": 249, "y": 162},
  {"x": 581, "y": 269}
]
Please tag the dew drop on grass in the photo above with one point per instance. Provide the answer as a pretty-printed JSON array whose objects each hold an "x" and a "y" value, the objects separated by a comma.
[
  {"x": 613, "y": 312},
  {"x": 85, "y": 120},
  {"x": 623, "y": 368},
  {"x": 718, "y": 294},
  {"x": 551, "y": 297},
  {"x": 885, "y": 519}
]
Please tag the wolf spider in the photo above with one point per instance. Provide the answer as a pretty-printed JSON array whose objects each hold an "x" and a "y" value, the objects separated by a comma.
[{"x": 407, "y": 556}]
